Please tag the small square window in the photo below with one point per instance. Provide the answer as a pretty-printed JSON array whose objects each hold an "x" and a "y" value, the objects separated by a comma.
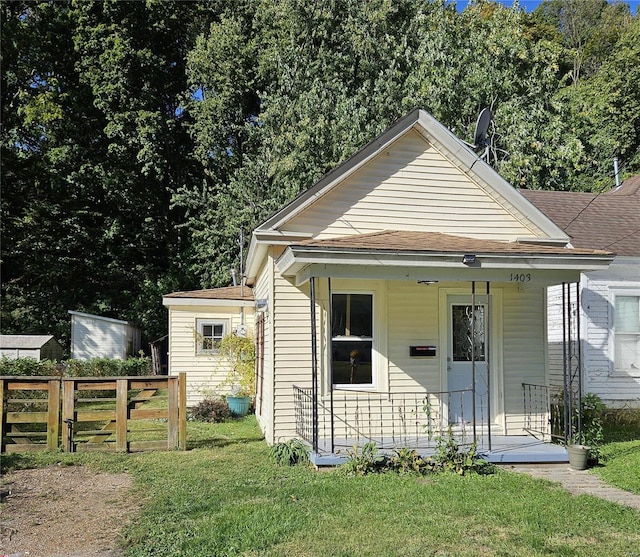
[{"x": 209, "y": 336}]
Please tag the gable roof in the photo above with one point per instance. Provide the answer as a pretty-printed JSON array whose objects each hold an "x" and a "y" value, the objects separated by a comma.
[
  {"x": 608, "y": 221},
  {"x": 272, "y": 232},
  {"x": 24, "y": 342}
]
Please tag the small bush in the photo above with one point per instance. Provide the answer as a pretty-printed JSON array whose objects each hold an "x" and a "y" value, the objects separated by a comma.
[
  {"x": 28, "y": 367},
  {"x": 211, "y": 410},
  {"x": 108, "y": 367},
  {"x": 290, "y": 453},
  {"x": 450, "y": 457},
  {"x": 367, "y": 461}
]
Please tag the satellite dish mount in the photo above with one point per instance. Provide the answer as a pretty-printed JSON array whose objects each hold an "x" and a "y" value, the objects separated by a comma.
[{"x": 480, "y": 138}]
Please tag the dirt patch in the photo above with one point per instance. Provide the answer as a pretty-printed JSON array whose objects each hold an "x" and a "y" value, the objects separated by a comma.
[{"x": 63, "y": 511}]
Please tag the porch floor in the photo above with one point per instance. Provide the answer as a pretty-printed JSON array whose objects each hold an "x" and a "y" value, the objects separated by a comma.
[{"x": 505, "y": 449}]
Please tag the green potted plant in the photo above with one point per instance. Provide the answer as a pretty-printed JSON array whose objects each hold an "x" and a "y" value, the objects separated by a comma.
[{"x": 240, "y": 353}]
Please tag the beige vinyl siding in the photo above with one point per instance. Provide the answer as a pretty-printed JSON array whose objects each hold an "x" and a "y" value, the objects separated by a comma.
[
  {"x": 525, "y": 351},
  {"x": 413, "y": 320},
  {"x": 412, "y": 186},
  {"x": 263, "y": 290},
  {"x": 205, "y": 372},
  {"x": 292, "y": 352}
]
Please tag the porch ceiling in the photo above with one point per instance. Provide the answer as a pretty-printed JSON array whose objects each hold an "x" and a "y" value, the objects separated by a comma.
[{"x": 409, "y": 255}]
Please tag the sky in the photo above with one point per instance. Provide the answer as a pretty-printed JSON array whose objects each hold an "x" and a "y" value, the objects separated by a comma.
[{"x": 530, "y": 5}]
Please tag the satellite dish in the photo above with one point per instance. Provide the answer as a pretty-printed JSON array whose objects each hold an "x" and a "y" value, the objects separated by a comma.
[{"x": 482, "y": 125}]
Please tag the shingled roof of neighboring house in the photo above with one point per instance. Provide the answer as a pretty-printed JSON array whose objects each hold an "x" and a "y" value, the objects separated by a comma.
[
  {"x": 243, "y": 293},
  {"x": 608, "y": 221}
]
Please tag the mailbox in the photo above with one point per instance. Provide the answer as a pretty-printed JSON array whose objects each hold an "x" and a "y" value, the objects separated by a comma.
[{"x": 422, "y": 350}]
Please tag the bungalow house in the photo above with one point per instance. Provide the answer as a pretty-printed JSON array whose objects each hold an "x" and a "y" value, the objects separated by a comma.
[
  {"x": 607, "y": 315},
  {"x": 405, "y": 294},
  {"x": 198, "y": 320}
]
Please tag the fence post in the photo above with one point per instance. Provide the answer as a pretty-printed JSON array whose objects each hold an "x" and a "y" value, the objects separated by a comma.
[
  {"x": 68, "y": 391},
  {"x": 53, "y": 415},
  {"x": 174, "y": 413},
  {"x": 182, "y": 415},
  {"x": 122, "y": 389}
]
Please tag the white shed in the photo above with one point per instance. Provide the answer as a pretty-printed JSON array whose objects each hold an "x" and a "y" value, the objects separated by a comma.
[
  {"x": 94, "y": 336},
  {"x": 39, "y": 347}
]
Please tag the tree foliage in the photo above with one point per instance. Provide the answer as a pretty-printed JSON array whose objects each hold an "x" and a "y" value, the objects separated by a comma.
[{"x": 139, "y": 139}]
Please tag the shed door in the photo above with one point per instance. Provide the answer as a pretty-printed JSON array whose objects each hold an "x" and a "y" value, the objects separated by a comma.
[{"x": 466, "y": 345}]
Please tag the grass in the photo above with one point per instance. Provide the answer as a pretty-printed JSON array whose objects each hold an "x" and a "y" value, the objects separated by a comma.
[{"x": 226, "y": 497}]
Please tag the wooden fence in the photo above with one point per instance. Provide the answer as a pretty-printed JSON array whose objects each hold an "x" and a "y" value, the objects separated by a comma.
[{"x": 93, "y": 413}]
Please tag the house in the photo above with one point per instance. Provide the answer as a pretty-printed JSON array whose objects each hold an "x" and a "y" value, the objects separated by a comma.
[
  {"x": 39, "y": 347},
  {"x": 607, "y": 317},
  {"x": 94, "y": 336},
  {"x": 405, "y": 294},
  {"x": 198, "y": 320}
]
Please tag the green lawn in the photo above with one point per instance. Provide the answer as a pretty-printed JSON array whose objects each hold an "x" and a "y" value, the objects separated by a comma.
[{"x": 226, "y": 497}]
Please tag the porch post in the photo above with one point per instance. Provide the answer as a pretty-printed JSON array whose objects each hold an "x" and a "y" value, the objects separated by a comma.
[
  {"x": 314, "y": 365},
  {"x": 487, "y": 351},
  {"x": 579, "y": 366},
  {"x": 566, "y": 399},
  {"x": 330, "y": 327}
]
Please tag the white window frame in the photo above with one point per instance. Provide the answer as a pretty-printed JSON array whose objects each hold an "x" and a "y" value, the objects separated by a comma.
[
  {"x": 199, "y": 339},
  {"x": 623, "y": 293},
  {"x": 358, "y": 386}
]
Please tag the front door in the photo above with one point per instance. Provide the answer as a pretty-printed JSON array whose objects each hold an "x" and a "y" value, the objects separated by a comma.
[{"x": 467, "y": 362}]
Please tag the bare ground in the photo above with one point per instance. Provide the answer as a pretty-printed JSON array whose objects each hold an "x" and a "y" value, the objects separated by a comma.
[{"x": 61, "y": 511}]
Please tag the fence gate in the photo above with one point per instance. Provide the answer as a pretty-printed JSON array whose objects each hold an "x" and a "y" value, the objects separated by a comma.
[{"x": 116, "y": 414}]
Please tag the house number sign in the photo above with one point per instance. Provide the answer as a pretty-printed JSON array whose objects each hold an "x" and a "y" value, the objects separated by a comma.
[{"x": 520, "y": 277}]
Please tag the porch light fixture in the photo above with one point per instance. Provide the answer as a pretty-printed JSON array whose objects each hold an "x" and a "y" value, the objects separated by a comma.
[{"x": 469, "y": 258}]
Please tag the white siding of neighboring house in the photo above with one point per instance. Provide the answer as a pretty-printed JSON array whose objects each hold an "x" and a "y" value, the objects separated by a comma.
[
  {"x": 205, "y": 372},
  {"x": 597, "y": 290},
  {"x": 615, "y": 388},
  {"x": 411, "y": 187}
]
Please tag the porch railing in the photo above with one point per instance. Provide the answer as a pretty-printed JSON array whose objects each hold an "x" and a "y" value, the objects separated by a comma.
[
  {"x": 415, "y": 420},
  {"x": 543, "y": 410}
]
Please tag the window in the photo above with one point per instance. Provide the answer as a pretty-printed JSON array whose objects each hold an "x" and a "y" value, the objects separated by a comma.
[
  {"x": 352, "y": 339},
  {"x": 210, "y": 334},
  {"x": 627, "y": 334}
]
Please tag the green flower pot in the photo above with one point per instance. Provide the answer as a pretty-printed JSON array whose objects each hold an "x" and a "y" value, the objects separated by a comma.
[
  {"x": 578, "y": 456},
  {"x": 239, "y": 405}
]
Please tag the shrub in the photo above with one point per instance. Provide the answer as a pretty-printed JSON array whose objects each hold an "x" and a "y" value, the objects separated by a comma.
[
  {"x": 367, "y": 461},
  {"x": 450, "y": 457},
  {"x": 26, "y": 367},
  {"x": 211, "y": 410},
  {"x": 108, "y": 367},
  {"x": 290, "y": 453}
]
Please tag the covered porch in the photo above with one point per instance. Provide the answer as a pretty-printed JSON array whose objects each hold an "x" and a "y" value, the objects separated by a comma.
[{"x": 478, "y": 369}]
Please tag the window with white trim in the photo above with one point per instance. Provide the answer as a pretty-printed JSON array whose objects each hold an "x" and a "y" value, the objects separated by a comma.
[
  {"x": 209, "y": 336},
  {"x": 352, "y": 339},
  {"x": 627, "y": 334}
]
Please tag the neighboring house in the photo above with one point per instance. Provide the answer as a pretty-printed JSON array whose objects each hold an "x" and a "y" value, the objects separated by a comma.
[
  {"x": 39, "y": 347},
  {"x": 609, "y": 318},
  {"x": 403, "y": 294},
  {"x": 198, "y": 320},
  {"x": 94, "y": 336}
]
